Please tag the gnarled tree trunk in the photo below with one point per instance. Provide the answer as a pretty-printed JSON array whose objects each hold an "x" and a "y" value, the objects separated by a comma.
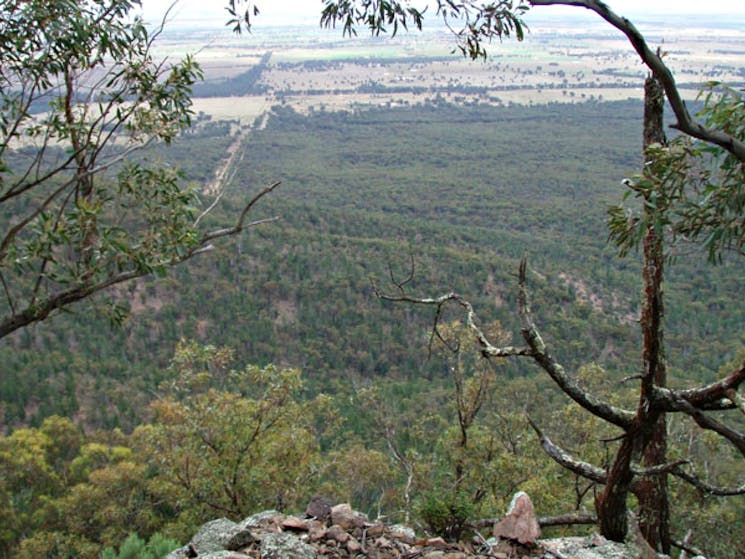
[{"x": 651, "y": 491}]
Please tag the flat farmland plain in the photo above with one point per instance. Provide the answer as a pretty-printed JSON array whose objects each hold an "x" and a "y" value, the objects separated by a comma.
[{"x": 559, "y": 61}]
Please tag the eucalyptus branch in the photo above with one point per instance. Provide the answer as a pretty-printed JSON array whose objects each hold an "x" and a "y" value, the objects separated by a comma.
[
  {"x": 566, "y": 460},
  {"x": 39, "y": 310},
  {"x": 42, "y": 309},
  {"x": 706, "y": 422},
  {"x": 18, "y": 227},
  {"x": 725, "y": 388},
  {"x": 654, "y": 62},
  {"x": 707, "y": 487}
]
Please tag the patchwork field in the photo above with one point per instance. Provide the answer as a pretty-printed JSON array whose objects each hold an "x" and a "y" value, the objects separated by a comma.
[{"x": 311, "y": 69}]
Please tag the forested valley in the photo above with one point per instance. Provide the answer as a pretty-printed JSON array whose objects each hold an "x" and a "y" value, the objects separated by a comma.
[{"x": 279, "y": 333}]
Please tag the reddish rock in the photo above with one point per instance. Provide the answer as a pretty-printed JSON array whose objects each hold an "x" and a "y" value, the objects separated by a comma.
[
  {"x": 316, "y": 530},
  {"x": 294, "y": 523},
  {"x": 437, "y": 543},
  {"x": 353, "y": 546},
  {"x": 376, "y": 529},
  {"x": 520, "y": 524},
  {"x": 338, "y": 534},
  {"x": 383, "y": 542},
  {"x": 344, "y": 516}
]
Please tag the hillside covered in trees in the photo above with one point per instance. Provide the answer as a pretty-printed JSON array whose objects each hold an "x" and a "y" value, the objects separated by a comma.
[
  {"x": 365, "y": 194},
  {"x": 362, "y": 192},
  {"x": 305, "y": 353}
]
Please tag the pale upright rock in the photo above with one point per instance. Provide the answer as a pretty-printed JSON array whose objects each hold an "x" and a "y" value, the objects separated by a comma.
[{"x": 520, "y": 524}]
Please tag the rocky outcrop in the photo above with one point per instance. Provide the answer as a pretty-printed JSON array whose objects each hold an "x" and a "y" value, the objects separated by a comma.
[{"x": 340, "y": 532}]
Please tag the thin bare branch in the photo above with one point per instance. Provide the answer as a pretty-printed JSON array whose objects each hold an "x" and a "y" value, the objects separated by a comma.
[
  {"x": 240, "y": 225},
  {"x": 409, "y": 277},
  {"x": 7, "y": 293},
  {"x": 661, "y": 469},
  {"x": 487, "y": 348},
  {"x": 678, "y": 403},
  {"x": 572, "y": 519},
  {"x": 707, "y": 487},
  {"x": 617, "y": 416},
  {"x": 686, "y": 547},
  {"x": 209, "y": 208}
]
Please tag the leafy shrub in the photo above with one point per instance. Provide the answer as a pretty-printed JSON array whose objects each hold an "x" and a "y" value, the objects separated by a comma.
[
  {"x": 446, "y": 515},
  {"x": 135, "y": 547}
]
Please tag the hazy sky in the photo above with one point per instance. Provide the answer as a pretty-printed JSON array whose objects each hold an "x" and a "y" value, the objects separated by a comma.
[{"x": 292, "y": 11}]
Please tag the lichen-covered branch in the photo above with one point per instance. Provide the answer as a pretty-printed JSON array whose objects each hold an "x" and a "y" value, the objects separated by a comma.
[
  {"x": 566, "y": 460},
  {"x": 725, "y": 388}
]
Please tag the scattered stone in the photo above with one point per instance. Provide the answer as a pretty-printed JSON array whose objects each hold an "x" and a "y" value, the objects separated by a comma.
[
  {"x": 225, "y": 555},
  {"x": 384, "y": 542},
  {"x": 295, "y": 524},
  {"x": 218, "y": 535},
  {"x": 587, "y": 548},
  {"x": 344, "y": 516},
  {"x": 353, "y": 546},
  {"x": 272, "y": 535},
  {"x": 403, "y": 533},
  {"x": 316, "y": 530},
  {"x": 520, "y": 524},
  {"x": 267, "y": 519},
  {"x": 337, "y": 533},
  {"x": 181, "y": 553},
  {"x": 319, "y": 507},
  {"x": 437, "y": 543},
  {"x": 285, "y": 546},
  {"x": 375, "y": 529},
  {"x": 597, "y": 540}
]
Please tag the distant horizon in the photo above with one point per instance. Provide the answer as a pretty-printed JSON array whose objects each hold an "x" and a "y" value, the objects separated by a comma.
[{"x": 303, "y": 12}]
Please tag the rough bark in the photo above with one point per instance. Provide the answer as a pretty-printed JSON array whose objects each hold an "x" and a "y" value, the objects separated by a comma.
[{"x": 651, "y": 491}]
